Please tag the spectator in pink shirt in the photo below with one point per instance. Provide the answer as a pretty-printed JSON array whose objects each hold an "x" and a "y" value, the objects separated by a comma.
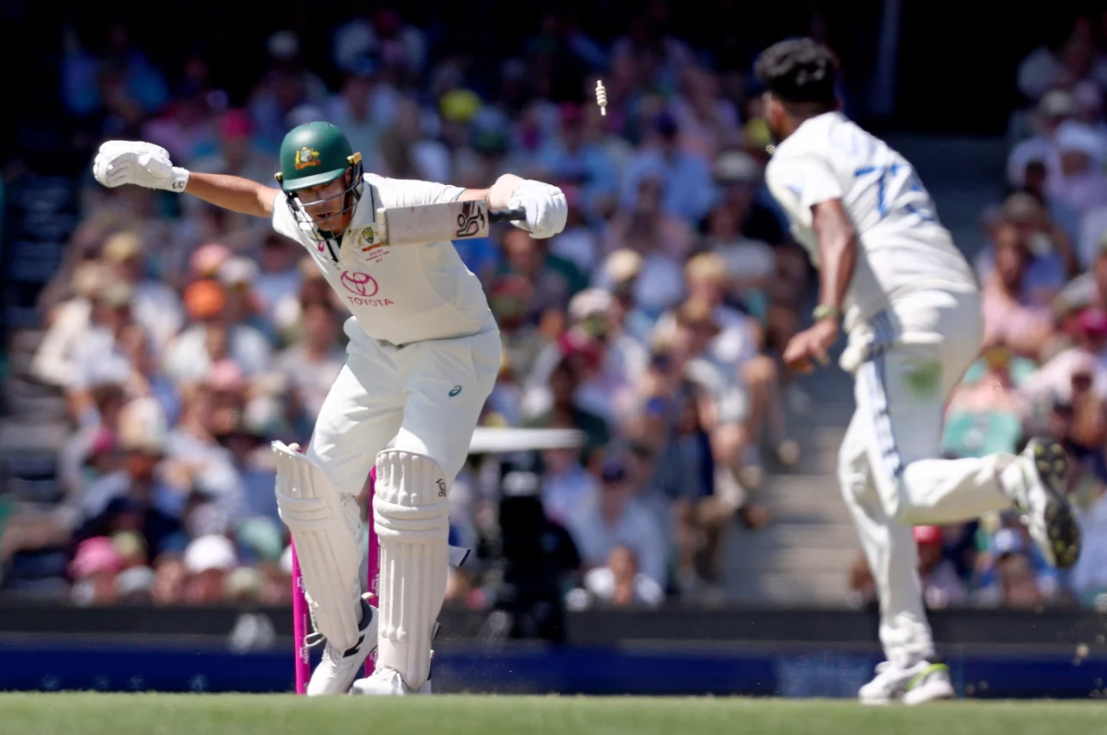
[{"x": 1024, "y": 322}]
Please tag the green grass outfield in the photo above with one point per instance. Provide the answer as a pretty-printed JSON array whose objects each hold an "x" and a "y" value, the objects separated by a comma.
[{"x": 194, "y": 714}]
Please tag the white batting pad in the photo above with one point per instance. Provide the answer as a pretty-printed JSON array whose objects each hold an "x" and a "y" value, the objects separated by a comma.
[
  {"x": 327, "y": 544},
  {"x": 411, "y": 518}
]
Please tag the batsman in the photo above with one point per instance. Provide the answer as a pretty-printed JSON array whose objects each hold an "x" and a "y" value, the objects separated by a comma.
[{"x": 422, "y": 358}]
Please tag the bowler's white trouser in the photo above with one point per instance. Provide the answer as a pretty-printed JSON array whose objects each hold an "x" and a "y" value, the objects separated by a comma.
[
  {"x": 426, "y": 395},
  {"x": 906, "y": 362}
]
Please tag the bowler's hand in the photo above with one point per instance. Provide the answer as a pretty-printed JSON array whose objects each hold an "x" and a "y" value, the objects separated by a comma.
[{"x": 811, "y": 344}]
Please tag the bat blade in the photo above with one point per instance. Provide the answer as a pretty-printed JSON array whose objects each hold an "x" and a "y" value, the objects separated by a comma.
[
  {"x": 488, "y": 440},
  {"x": 434, "y": 222}
]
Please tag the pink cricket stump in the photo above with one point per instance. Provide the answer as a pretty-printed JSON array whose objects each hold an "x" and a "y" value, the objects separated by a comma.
[{"x": 301, "y": 618}]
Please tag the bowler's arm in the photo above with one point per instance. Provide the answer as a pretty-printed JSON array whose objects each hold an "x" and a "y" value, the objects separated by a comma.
[
  {"x": 837, "y": 239},
  {"x": 233, "y": 193},
  {"x": 805, "y": 184}
]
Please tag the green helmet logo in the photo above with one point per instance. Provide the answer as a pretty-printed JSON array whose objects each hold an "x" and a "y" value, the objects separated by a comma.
[
  {"x": 307, "y": 157},
  {"x": 312, "y": 154}
]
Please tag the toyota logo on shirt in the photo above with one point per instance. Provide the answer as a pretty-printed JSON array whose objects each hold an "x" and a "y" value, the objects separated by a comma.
[
  {"x": 360, "y": 284},
  {"x": 362, "y": 287}
]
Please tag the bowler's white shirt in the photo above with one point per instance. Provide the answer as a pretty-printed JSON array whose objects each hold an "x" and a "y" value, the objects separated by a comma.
[{"x": 902, "y": 245}]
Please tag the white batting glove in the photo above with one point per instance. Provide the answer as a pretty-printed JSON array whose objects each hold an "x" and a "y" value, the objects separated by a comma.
[
  {"x": 545, "y": 206},
  {"x": 142, "y": 164}
]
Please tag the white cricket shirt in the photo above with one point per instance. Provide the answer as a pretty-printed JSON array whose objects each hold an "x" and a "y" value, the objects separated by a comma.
[
  {"x": 902, "y": 245},
  {"x": 401, "y": 294}
]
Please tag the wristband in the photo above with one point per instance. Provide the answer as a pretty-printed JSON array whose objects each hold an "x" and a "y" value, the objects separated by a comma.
[
  {"x": 824, "y": 311},
  {"x": 179, "y": 180}
]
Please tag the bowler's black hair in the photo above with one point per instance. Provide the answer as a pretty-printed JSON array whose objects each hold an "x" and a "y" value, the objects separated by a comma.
[{"x": 800, "y": 72}]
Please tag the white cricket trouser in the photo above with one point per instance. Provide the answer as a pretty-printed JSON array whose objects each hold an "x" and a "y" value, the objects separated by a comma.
[
  {"x": 916, "y": 354},
  {"x": 426, "y": 395}
]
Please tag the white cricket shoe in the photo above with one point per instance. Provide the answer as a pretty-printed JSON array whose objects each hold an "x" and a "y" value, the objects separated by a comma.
[
  {"x": 387, "y": 682},
  {"x": 1040, "y": 498},
  {"x": 917, "y": 684},
  {"x": 338, "y": 669}
]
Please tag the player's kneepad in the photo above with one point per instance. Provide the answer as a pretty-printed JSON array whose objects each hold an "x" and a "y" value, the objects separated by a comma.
[{"x": 410, "y": 503}]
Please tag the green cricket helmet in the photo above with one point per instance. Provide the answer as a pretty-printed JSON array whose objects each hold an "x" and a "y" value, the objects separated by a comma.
[{"x": 313, "y": 154}]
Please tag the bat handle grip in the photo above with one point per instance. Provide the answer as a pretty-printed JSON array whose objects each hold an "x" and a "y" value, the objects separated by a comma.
[{"x": 507, "y": 215}]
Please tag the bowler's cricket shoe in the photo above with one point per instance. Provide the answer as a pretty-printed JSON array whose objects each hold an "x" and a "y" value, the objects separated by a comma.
[
  {"x": 387, "y": 682},
  {"x": 916, "y": 684},
  {"x": 1041, "y": 499},
  {"x": 338, "y": 669}
]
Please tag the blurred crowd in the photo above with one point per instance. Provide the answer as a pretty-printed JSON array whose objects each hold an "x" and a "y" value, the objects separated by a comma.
[
  {"x": 1043, "y": 367},
  {"x": 186, "y": 338}
]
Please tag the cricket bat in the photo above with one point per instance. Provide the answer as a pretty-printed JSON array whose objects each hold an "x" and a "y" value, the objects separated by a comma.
[{"x": 437, "y": 222}]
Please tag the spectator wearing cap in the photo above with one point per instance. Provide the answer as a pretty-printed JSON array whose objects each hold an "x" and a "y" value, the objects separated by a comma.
[
  {"x": 1089, "y": 576},
  {"x": 508, "y": 297},
  {"x": 247, "y": 441},
  {"x": 560, "y": 408},
  {"x": 553, "y": 280},
  {"x": 311, "y": 365},
  {"x": 614, "y": 518},
  {"x": 662, "y": 240},
  {"x": 689, "y": 374},
  {"x": 69, "y": 323},
  {"x": 99, "y": 356},
  {"x": 278, "y": 276},
  {"x": 687, "y": 190},
  {"x": 208, "y": 560},
  {"x": 360, "y": 110},
  {"x": 736, "y": 353},
  {"x": 154, "y": 304},
  {"x": 986, "y": 411},
  {"x": 286, "y": 85},
  {"x": 138, "y": 496},
  {"x": 1011, "y": 575},
  {"x": 201, "y": 463},
  {"x": 941, "y": 585},
  {"x": 238, "y": 275},
  {"x": 619, "y": 584},
  {"x": 595, "y": 322},
  {"x": 1055, "y": 107},
  {"x": 236, "y": 153},
  {"x": 213, "y": 336},
  {"x": 1088, "y": 290},
  {"x": 566, "y": 484},
  {"x": 1092, "y": 235},
  {"x": 571, "y": 159},
  {"x": 619, "y": 274},
  {"x": 1077, "y": 181},
  {"x": 578, "y": 242},
  {"x": 1084, "y": 362},
  {"x": 77, "y": 460},
  {"x": 186, "y": 128},
  {"x": 410, "y": 145},
  {"x": 121, "y": 75},
  {"x": 708, "y": 120},
  {"x": 750, "y": 261},
  {"x": 94, "y": 569},
  {"x": 739, "y": 178},
  {"x": 1049, "y": 255},
  {"x": 1021, "y": 320}
]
